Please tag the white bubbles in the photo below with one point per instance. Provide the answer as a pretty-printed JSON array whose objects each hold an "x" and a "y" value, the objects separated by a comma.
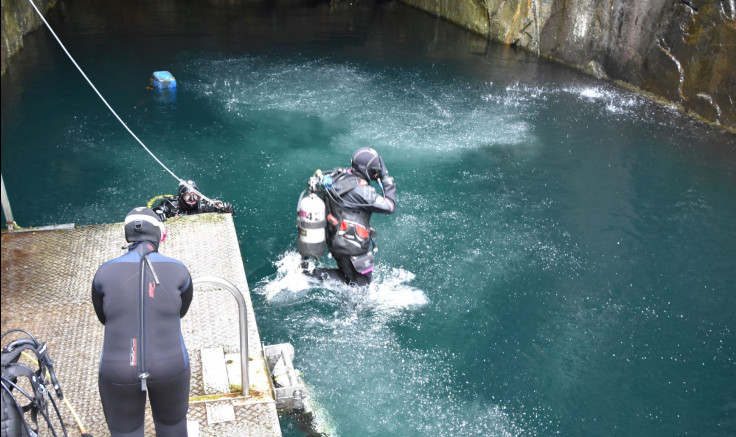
[
  {"x": 591, "y": 93},
  {"x": 390, "y": 108},
  {"x": 519, "y": 96},
  {"x": 389, "y": 291},
  {"x": 289, "y": 281},
  {"x": 614, "y": 101},
  {"x": 528, "y": 99}
]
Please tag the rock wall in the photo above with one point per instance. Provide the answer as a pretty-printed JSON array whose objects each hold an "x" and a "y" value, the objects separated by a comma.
[
  {"x": 681, "y": 51},
  {"x": 19, "y": 18}
]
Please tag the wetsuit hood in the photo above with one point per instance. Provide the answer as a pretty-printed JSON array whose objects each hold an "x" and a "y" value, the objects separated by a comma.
[
  {"x": 142, "y": 224},
  {"x": 186, "y": 187},
  {"x": 366, "y": 163}
]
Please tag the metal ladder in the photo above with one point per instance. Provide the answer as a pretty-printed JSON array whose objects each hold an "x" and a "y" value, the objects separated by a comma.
[{"x": 243, "y": 325}]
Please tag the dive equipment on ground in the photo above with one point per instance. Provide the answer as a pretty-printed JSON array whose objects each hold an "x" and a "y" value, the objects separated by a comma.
[{"x": 15, "y": 416}]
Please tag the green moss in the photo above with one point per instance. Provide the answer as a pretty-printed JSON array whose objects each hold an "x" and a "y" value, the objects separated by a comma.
[{"x": 217, "y": 397}]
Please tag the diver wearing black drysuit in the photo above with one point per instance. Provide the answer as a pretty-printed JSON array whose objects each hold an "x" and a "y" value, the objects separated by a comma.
[
  {"x": 350, "y": 201},
  {"x": 189, "y": 202},
  {"x": 140, "y": 297}
]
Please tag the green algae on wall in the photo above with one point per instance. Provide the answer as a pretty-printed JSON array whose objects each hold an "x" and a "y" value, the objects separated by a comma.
[
  {"x": 469, "y": 14},
  {"x": 19, "y": 18}
]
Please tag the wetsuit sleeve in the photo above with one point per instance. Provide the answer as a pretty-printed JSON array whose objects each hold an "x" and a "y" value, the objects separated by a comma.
[
  {"x": 212, "y": 207},
  {"x": 385, "y": 204},
  {"x": 97, "y": 301},
  {"x": 166, "y": 208},
  {"x": 205, "y": 206},
  {"x": 186, "y": 296},
  {"x": 389, "y": 193}
]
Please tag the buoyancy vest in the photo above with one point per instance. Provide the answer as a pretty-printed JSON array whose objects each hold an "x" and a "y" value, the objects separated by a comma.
[
  {"x": 348, "y": 225},
  {"x": 15, "y": 417}
]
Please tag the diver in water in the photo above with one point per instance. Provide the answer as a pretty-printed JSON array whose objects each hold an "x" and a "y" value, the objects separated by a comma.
[
  {"x": 189, "y": 201},
  {"x": 350, "y": 200},
  {"x": 140, "y": 297}
]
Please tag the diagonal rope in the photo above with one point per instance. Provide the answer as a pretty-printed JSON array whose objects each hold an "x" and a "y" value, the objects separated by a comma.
[{"x": 181, "y": 181}]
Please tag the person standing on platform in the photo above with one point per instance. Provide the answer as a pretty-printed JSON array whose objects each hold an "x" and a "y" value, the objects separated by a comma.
[{"x": 141, "y": 297}]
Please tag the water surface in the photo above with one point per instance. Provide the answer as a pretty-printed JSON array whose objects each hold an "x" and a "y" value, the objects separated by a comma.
[{"x": 561, "y": 259}]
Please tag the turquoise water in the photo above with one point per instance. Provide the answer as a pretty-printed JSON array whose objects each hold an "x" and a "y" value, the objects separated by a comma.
[{"x": 562, "y": 258}]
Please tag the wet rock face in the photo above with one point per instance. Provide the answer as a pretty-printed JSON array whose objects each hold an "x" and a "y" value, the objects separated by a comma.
[
  {"x": 696, "y": 51},
  {"x": 683, "y": 51},
  {"x": 614, "y": 35},
  {"x": 18, "y": 18}
]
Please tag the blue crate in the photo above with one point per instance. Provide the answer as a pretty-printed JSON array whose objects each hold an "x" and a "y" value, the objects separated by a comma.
[{"x": 162, "y": 80}]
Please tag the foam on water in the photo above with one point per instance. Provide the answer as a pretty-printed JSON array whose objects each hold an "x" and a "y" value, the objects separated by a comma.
[
  {"x": 530, "y": 97},
  {"x": 387, "y": 108},
  {"x": 289, "y": 281},
  {"x": 390, "y": 289},
  {"x": 355, "y": 347},
  {"x": 359, "y": 361},
  {"x": 614, "y": 101}
]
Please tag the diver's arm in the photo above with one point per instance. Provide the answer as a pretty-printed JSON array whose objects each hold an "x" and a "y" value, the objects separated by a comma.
[
  {"x": 186, "y": 296},
  {"x": 166, "y": 208},
  {"x": 216, "y": 206},
  {"x": 389, "y": 191},
  {"x": 366, "y": 198},
  {"x": 388, "y": 185},
  {"x": 97, "y": 299}
]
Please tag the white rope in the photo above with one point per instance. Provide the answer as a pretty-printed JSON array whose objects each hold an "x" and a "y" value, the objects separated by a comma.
[{"x": 181, "y": 181}]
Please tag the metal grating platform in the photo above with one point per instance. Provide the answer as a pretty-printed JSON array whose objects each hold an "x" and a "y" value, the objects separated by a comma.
[{"x": 46, "y": 285}]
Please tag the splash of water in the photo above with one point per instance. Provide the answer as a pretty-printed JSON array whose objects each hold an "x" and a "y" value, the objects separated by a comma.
[
  {"x": 390, "y": 289},
  {"x": 289, "y": 281}
]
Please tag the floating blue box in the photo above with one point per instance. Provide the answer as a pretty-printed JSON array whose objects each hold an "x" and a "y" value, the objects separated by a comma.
[{"x": 162, "y": 80}]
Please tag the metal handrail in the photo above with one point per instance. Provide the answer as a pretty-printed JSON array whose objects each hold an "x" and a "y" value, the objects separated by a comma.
[
  {"x": 242, "y": 306},
  {"x": 6, "y": 205}
]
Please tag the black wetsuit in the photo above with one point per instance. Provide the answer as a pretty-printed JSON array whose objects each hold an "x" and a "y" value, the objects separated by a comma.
[
  {"x": 350, "y": 201},
  {"x": 141, "y": 314},
  {"x": 172, "y": 207}
]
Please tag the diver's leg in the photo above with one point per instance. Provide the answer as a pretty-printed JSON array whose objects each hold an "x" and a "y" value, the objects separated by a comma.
[
  {"x": 169, "y": 404},
  {"x": 363, "y": 280},
  {"x": 321, "y": 273},
  {"x": 352, "y": 276},
  {"x": 124, "y": 406},
  {"x": 324, "y": 274}
]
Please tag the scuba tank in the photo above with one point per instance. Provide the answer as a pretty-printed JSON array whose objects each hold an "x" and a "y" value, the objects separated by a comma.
[{"x": 311, "y": 222}]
